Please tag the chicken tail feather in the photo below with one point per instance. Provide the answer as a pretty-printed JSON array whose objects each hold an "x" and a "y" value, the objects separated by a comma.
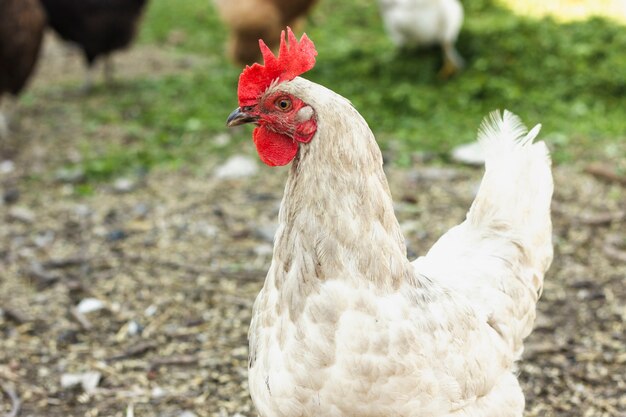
[{"x": 517, "y": 188}]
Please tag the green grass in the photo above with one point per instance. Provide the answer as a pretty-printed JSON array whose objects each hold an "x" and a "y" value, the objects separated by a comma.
[{"x": 570, "y": 77}]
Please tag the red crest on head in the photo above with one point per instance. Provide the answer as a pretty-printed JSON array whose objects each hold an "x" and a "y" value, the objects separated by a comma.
[{"x": 294, "y": 58}]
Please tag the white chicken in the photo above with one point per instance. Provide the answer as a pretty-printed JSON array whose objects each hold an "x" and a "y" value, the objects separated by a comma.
[
  {"x": 345, "y": 324},
  {"x": 415, "y": 23}
]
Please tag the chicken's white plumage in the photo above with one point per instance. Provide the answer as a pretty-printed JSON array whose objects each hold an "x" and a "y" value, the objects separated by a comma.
[
  {"x": 346, "y": 326},
  {"x": 422, "y": 22},
  {"x": 412, "y": 23},
  {"x": 501, "y": 251}
]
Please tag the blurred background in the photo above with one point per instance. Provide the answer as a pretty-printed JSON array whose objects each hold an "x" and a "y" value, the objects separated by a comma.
[{"x": 135, "y": 230}]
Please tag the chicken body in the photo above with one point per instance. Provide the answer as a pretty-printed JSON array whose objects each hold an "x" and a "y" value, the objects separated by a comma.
[
  {"x": 22, "y": 23},
  {"x": 413, "y": 23},
  {"x": 346, "y": 325},
  {"x": 251, "y": 20},
  {"x": 98, "y": 27}
]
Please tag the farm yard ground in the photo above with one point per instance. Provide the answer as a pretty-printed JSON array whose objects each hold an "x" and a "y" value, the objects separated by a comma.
[{"x": 101, "y": 203}]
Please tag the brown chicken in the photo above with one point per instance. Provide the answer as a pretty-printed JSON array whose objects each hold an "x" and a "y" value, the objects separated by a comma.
[
  {"x": 22, "y": 23},
  {"x": 251, "y": 20}
]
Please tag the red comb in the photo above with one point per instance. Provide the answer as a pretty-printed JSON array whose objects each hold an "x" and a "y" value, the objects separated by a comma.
[{"x": 294, "y": 58}]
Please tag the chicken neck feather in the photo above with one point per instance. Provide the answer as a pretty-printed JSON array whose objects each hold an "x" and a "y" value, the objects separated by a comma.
[{"x": 336, "y": 219}]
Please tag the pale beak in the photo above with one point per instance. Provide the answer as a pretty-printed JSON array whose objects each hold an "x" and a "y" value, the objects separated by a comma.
[{"x": 239, "y": 117}]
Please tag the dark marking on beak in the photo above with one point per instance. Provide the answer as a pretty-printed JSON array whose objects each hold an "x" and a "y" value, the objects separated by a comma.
[{"x": 239, "y": 117}]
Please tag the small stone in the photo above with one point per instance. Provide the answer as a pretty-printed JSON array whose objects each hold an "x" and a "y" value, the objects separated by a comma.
[
  {"x": 22, "y": 214},
  {"x": 263, "y": 250},
  {"x": 89, "y": 305},
  {"x": 205, "y": 229},
  {"x": 263, "y": 197},
  {"x": 67, "y": 337},
  {"x": 141, "y": 210},
  {"x": 158, "y": 392},
  {"x": 41, "y": 276},
  {"x": 266, "y": 232},
  {"x": 88, "y": 381},
  {"x": 238, "y": 166},
  {"x": 44, "y": 239},
  {"x": 11, "y": 196},
  {"x": 82, "y": 210},
  {"x": 470, "y": 154},
  {"x": 115, "y": 235},
  {"x": 187, "y": 413},
  {"x": 151, "y": 310},
  {"x": 70, "y": 175},
  {"x": 124, "y": 185},
  {"x": 134, "y": 328},
  {"x": 7, "y": 166},
  {"x": 115, "y": 307}
]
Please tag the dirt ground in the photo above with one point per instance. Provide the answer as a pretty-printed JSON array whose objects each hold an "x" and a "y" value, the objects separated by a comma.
[{"x": 176, "y": 258}]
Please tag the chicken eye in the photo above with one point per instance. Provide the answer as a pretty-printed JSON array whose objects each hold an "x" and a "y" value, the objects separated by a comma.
[{"x": 283, "y": 104}]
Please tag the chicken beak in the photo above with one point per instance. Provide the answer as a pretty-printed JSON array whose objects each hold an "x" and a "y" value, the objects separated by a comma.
[{"x": 239, "y": 117}]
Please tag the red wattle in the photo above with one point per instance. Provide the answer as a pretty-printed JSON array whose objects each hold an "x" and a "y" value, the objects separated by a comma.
[{"x": 274, "y": 149}]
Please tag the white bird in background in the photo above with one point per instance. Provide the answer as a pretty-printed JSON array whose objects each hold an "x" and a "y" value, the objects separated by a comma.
[
  {"x": 413, "y": 23},
  {"x": 345, "y": 324}
]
